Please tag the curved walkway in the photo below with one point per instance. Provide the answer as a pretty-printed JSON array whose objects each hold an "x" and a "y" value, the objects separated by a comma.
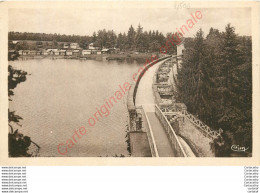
[{"x": 145, "y": 98}]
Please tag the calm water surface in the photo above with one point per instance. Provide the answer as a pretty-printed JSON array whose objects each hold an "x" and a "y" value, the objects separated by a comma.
[{"x": 60, "y": 95}]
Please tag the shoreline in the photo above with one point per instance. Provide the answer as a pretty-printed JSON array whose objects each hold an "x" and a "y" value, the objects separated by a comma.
[{"x": 139, "y": 58}]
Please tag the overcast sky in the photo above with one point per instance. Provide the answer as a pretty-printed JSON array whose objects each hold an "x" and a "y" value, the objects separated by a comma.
[{"x": 86, "y": 21}]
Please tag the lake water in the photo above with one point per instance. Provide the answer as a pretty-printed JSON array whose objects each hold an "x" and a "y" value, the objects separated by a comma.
[{"x": 61, "y": 95}]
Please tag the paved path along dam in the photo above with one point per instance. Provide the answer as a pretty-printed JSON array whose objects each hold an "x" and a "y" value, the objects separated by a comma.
[{"x": 145, "y": 98}]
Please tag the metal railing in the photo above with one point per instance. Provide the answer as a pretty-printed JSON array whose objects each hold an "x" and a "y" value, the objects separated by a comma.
[
  {"x": 201, "y": 125},
  {"x": 209, "y": 132},
  {"x": 176, "y": 145},
  {"x": 150, "y": 135}
]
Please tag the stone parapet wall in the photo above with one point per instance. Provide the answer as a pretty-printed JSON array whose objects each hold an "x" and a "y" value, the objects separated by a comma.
[{"x": 132, "y": 95}]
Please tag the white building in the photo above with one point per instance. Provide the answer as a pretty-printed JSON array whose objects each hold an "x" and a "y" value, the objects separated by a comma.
[
  {"x": 74, "y": 45},
  {"x": 51, "y": 51},
  {"x": 20, "y": 52},
  {"x": 75, "y": 52},
  {"x": 86, "y": 52},
  {"x": 69, "y": 52},
  {"x": 91, "y": 46},
  {"x": 57, "y": 52},
  {"x": 104, "y": 51},
  {"x": 44, "y": 52},
  {"x": 180, "y": 48},
  {"x": 62, "y": 52},
  {"x": 26, "y": 52},
  {"x": 66, "y": 46}
]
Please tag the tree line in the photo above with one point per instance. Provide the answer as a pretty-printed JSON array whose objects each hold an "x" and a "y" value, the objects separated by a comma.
[
  {"x": 215, "y": 82},
  {"x": 134, "y": 40}
]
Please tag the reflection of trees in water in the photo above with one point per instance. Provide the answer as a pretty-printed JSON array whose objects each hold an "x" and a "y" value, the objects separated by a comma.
[
  {"x": 128, "y": 60},
  {"x": 137, "y": 60}
]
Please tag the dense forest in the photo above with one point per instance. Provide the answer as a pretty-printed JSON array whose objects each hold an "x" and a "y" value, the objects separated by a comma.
[
  {"x": 135, "y": 39},
  {"x": 215, "y": 82}
]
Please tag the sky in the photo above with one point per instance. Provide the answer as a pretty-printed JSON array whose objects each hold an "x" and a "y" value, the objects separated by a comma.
[{"x": 86, "y": 21}]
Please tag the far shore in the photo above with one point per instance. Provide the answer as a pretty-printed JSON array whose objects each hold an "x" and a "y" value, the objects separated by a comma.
[{"x": 139, "y": 58}]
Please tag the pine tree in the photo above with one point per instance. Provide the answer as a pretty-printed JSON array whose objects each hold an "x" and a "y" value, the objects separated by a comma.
[
  {"x": 139, "y": 39},
  {"x": 131, "y": 37},
  {"x": 215, "y": 82}
]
